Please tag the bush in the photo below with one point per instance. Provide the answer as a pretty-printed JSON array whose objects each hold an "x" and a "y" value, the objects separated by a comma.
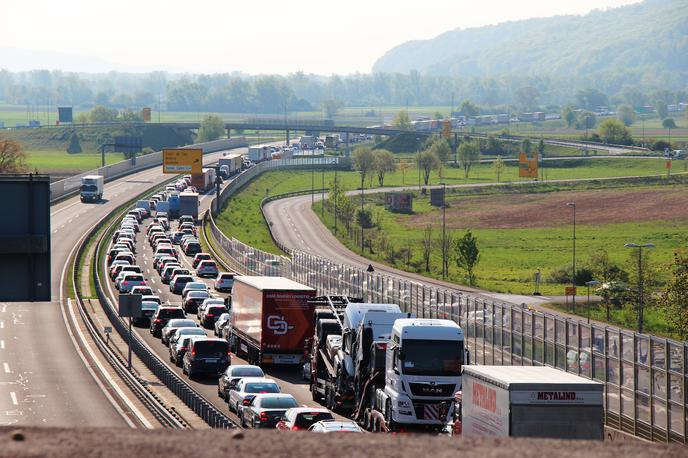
[
  {"x": 661, "y": 145},
  {"x": 74, "y": 146},
  {"x": 583, "y": 275},
  {"x": 364, "y": 218},
  {"x": 561, "y": 274}
]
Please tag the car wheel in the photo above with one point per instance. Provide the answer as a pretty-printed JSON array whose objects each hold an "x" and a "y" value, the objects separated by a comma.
[
  {"x": 253, "y": 423},
  {"x": 184, "y": 370},
  {"x": 171, "y": 358}
]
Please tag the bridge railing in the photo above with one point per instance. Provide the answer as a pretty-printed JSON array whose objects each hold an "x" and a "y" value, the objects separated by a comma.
[{"x": 645, "y": 377}]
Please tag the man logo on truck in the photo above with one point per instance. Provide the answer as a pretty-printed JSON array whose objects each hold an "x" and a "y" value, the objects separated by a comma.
[{"x": 278, "y": 325}]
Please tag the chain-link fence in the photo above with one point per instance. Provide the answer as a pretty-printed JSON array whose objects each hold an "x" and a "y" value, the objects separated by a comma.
[{"x": 645, "y": 377}]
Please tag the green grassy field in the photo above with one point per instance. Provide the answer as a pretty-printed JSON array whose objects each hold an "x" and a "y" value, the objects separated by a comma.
[{"x": 61, "y": 161}]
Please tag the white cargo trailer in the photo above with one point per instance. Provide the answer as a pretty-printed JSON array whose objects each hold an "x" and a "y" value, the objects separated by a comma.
[{"x": 527, "y": 401}]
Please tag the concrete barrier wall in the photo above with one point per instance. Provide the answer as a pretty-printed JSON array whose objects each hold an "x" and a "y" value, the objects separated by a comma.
[{"x": 70, "y": 185}]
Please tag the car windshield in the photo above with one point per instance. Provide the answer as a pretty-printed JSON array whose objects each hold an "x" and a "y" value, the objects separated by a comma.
[
  {"x": 216, "y": 310},
  {"x": 278, "y": 403},
  {"x": 171, "y": 313},
  {"x": 198, "y": 294},
  {"x": 305, "y": 419},
  {"x": 191, "y": 331},
  {"x": 89, "y": 187},
  {"x": 261, "y": 388},
  {"x": 432, "y": 357},
  {"x": 181, "y": 324},
  {"x": 247, "y": 372},
  {"x": 211, "y": 348}
]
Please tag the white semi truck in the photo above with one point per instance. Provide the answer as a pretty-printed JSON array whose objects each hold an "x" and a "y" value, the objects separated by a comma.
[
  {"x": 528, "y": 401},
  {"x": 92, "y": 188},
  {"x": 387, "y": 369}
]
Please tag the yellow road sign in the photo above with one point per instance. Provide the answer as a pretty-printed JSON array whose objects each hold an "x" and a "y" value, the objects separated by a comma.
[
  {"x": 182, "y": 161},
  {"x": 146, "y": 112}
]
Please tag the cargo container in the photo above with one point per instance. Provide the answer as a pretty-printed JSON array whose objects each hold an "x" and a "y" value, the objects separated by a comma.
[
  {"x": 92, "y": 188},
  {"x": 233, "y": 161},
  {"x": 173, "y": 200},
  {"x": 205, "y": 181},
  {"x": 188, "y": 204},
  {"x": 528, "y": 401},
  {"x": 271, "y": 319},
  {"x": 258, "y": 153}
]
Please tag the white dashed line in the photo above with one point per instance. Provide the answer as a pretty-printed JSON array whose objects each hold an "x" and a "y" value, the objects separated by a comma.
[
  {"x": 7, "y": 368},
  {"x": 4, "y": 308},
  {"x": 13, "y": 395},
  {"x": 2, "y": 344},
  {"x": 159, "y": 291},
  {"x": 2, "y": 324}
]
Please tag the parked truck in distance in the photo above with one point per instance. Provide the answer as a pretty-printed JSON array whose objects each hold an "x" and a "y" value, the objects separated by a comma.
[
  {"x": 92, "y": 188},
  {"x": 529, "y": 401},
  {"x": 204, "y": 181},
  {"x": 258, "y": 153},
  {"x": 385, "y": 368},
  {"x": 188, "y": 204},
  {"x": 271, "y": 319}
]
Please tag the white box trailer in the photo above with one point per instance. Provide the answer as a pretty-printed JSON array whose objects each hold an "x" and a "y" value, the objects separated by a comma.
[{"x": 528, "y": 401}]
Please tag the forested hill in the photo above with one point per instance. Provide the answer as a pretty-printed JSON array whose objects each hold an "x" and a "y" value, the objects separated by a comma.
[{"x": 648, "y": 38}]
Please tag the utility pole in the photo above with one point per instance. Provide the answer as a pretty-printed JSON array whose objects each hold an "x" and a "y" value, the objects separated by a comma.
[
  {"x": 361, "y": 216},
  {"x": 573, "y": 275},
  {"x": 444, "y": 236}
]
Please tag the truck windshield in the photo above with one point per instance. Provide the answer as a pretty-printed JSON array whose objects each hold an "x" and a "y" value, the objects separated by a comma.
[
  {"x": 432, "y": 357},
  {"x": 89, "y": 187}
]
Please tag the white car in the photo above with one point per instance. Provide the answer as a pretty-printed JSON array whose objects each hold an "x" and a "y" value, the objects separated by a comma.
[
  {"x": 247, "y": 387},
  {"x": 130, "y": 280},
  {"x": 220, "y": 323},
  {"x": 207, "y": 268},
  {"x": 206, "y": 303},
  {"x": 224, "y": 281},
  {"x": 335, "y": 426}
]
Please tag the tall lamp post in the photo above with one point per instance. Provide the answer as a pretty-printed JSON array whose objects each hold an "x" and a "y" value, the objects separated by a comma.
[
  {"x": 312, "y": 176},
  {"x": 640, "y": 279},
  {"x": 589, "y": 284},
  {"x": 573, "y": 276},
  {"x": 361, "y": 216},
  {"x": 335, "y": 202},
  {"x": 444, "y": 237}
]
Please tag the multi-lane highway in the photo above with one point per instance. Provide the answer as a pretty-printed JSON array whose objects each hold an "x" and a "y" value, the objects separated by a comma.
[
  {"x": 290, "y": 380},
  {"x": 44, "y": 379}
]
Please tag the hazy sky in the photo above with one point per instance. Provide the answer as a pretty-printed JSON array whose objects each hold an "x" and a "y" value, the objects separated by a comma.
[{"x": 269, "y": 36}]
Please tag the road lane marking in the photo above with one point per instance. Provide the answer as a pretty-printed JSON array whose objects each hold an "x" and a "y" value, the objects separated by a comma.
[
  {"x": 2, "y": 324},
  {"x": 13, "y": 395},
  {"x": 2, "y": 344},
  {"x": 4, "y": 308},
  {"x": 159, "y": 291},
  {"x": 7, "y": 368}
]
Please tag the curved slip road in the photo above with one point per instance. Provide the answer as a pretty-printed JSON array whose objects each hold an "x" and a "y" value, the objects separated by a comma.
[{"x": 43, "y": 380}]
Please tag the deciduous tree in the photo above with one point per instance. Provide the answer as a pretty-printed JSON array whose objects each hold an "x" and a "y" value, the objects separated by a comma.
[
  {"x": 467, "y": 255},
  {"x": 428, "y": 161},
  {"x": 384, "y": 162},
  {"x": 498, "y": 167},
  {"x": 469, "y": 154},
  {"x": 12, "y": 156},
  {"x": 674, "y": 299},
  {"x": 212, "y": 128}
]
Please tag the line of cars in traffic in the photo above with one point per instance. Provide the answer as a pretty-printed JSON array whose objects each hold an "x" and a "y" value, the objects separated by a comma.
[{"x": 256, "y": 400}]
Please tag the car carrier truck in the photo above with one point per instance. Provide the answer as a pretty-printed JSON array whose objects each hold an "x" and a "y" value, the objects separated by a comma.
[
  {"x": 385, "y": 368},
  {"x": 92, "y": 188},
  {"x": 528, "y": 401},
  {"x": 271, "y": 319}
]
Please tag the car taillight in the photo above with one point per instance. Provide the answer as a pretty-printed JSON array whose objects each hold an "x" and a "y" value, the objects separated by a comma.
[
  {"x": 209, "y": 315},
  {"x": 157, "y": 320},
  {"x": 245, "y": 402},
  {"x": 183, "y": 348},
  {"x": 143, "y": 283},
  {"x": 264, "y": 416},
  {"x": 125, "y": 282},
  {"x": 294, "y": 428},
  {"x": 193, "y": 353}
]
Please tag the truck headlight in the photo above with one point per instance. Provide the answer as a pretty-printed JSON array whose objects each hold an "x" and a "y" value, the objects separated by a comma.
[{"x": 403, "y": 404}]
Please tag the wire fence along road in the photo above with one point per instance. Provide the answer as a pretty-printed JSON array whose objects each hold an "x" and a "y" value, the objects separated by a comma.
[{"x": 645, "y": 377}]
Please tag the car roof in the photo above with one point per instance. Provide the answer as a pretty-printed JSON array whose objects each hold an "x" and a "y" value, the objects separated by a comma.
[
  {"x": 334, "y": 425},
  {"x": 299, "y": 410},
  {"x": 175, "y": 321},
  {"x": 246, "y": 380}
]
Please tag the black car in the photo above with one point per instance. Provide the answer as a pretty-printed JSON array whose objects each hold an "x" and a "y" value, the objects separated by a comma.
[
  {"x": 192, "y": 248},
  {"x": 265, "y": 410},
  {"x": 207, "y": 356},
  {"x": 162, "y": 316}
]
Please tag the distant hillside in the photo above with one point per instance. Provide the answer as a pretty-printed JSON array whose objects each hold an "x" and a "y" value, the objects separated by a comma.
[{"x": 650, "y": 37}]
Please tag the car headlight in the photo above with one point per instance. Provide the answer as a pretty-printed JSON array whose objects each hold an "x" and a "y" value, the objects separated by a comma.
[{"x": 403, "y": 404}]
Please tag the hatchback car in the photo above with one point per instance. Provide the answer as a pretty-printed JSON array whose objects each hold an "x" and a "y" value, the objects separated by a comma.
[
  {"x": 240, "y": 395},
  {"x": 131, "y": 280},
  {"x": 301, "y": 418},
  {"x": 193, "y": 299},
  {"x": 162, "y": 316},
  {"x": 193, "y": 286},
  {"x": 178, "y": 349},
  {"x": 211, "y": 314},
  {"x": 198, "y": 257},
  {"x": 172, "y": 326},
  {"x": 148, "y": 309},
  {"x": 232, "y": 376},
  {"x": 265, "y": 410},
  {"x": 192, "y": 248},
  {"x": 335, "y": 426},
  {"x": 142, "y": 290},
  {"x": 224, "y": 281},
  {"x": 178, "y": 283},
  {"x": 208, "y": 356},
  {"x": 207, "y": 268},
  {"x": 222, "y": 321}
]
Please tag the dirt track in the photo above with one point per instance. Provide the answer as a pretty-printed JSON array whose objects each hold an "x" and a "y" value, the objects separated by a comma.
[
  {"x": 518, "y": 211},
  {"x": 259, "y": 444}
]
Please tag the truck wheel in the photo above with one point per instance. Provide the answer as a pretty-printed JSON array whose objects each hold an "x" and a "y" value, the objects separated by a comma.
[{"x": 391, "y": 424}]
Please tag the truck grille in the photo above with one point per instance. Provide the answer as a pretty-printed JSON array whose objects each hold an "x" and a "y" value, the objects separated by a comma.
[
  {"x": 426, "y": 389},
  {"x": 431, "y": 411}
]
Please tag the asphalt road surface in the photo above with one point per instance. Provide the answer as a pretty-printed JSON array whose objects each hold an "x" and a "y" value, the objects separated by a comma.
[
  {"x": 289, "y": 379},
  {"x": 43, "y": 380}
]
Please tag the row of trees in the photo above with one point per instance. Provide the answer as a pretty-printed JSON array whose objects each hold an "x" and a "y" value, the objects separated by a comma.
[{"x": 300, "y": 92}]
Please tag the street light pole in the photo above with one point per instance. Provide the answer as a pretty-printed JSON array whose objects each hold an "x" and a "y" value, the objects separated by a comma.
[
  {"x": 589, "y": 284},
  {"x": 312, "y": 176},
  {"x": 445, "y": 267},
  {"x": 361, "y": 216},
  {"x": 640, "y": 279},
  {"x": 322, "y": 207},
  {"x": 335, "y": 202},
  {"x": 573, "y": 276}
]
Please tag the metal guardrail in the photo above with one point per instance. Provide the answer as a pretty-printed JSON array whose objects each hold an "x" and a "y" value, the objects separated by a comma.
[
  {"x": 645, "y": 377},
  {"x": 194, "y": 400},
  {"x": 138, "y": 386}
]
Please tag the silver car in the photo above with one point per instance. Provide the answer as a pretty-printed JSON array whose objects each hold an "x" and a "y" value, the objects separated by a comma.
[
  {"x": 172, "y": 326},
  {"x": 246, "y": 389}
]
